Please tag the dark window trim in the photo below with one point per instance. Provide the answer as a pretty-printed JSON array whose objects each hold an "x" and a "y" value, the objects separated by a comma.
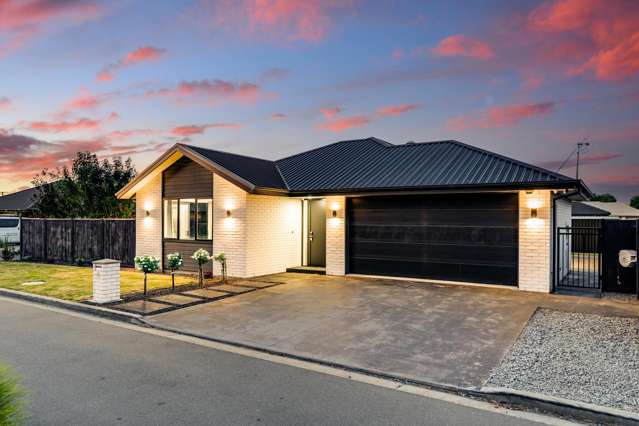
[{"x": 178, "y": 239}]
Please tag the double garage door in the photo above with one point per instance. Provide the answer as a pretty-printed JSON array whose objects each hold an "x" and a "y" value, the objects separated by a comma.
[{"x": 462, "y": 237}]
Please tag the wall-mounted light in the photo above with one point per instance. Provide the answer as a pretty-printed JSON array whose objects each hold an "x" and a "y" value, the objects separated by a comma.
[
  {"x": 334, "y": 214},
  {"x": 147, "y": 213},
  {"x": 228, "y": 213},
  {"x": 533, "y": 213}
]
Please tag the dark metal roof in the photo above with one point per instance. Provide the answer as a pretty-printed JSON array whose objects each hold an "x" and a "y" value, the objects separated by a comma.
[
  {"x": 375, "y": 164},
  {"x": 581, "y": 209},
  {"x": 261, "y": 173},
  {"x": 19, "y": 201},
  {"x": 372, "y": 164}
]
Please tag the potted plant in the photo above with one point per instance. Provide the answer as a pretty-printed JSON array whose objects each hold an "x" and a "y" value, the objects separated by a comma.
[
  {"x": 202, "y": 257},
  {"x": 174, "y": 263},
  {"x": 221, "y": 258},
  {"x": 147, "y": 264}
]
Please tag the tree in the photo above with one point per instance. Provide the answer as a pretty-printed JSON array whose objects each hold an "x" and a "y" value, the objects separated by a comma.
[
  {"x": 634, "y": 202},
  {"x": 605, "y": 198},
  {"x": 87, "y": 189}
]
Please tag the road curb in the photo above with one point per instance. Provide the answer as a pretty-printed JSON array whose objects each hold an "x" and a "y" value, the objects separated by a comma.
[
  {"x": 604, "y": 413},
  {"x": 580, "y": 411},
  {"x": 558, "y": 406},
  {"x": 74, "y": 306}
]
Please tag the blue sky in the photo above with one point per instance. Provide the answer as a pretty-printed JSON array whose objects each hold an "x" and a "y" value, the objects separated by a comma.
[{"x": 270, "y": 78}]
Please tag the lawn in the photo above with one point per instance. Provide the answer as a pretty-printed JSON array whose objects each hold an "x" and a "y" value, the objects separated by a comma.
[{"x": 74, "y": 282}]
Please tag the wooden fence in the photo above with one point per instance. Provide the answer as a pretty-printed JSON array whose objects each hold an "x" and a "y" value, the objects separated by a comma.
[{"x": 75, "y": 240}]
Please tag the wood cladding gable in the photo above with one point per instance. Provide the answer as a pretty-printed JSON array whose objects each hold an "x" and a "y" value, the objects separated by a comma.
[{"x": 187, "y": 179}]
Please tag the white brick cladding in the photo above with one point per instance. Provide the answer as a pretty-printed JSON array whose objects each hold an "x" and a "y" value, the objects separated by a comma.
[
  {"x": 274, "y": 234},
  {"x": 262, "y": 235},
  {"x": 148, "y": 229},
  {"x": 535, "y": 241},
  {"x": 229, "y": 233},
  {"x": 106, "y": 281},
  {"x": 335, "y": 236}
]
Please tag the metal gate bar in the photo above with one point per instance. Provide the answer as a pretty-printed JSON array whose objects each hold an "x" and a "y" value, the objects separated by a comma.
[{"x": 578, "y": 259}]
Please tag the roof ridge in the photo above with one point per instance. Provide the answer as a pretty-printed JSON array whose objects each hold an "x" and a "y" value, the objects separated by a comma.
[
  {"x": 226, "y": 152},
  {"x": 371, "y": 138},
  {"x": 514, "y": 160}
]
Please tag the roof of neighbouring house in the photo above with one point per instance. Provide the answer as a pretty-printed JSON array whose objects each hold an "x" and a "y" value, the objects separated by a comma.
[
  {"x": 372, "y": 164},
  {"x": 583, "y": 209},
  {"x": 19, "y": 201},
  {"x": 616, "y": 208}
]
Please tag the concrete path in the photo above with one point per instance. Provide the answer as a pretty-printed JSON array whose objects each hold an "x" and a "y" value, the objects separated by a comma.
[
  {"x": 450, "y": 335},
  {"x": 87, "y": 371}
]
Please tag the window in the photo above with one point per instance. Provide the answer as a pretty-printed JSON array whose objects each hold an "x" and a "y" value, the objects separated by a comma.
[
  {"x": 170, "y": 218},
  {"x": 188, "y": 219},
  {"x": 204, "y": 219},
  {"x": 9, "y": 223}
]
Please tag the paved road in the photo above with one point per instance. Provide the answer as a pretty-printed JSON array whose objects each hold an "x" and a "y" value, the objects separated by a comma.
[{"x": 80, "y": 371}]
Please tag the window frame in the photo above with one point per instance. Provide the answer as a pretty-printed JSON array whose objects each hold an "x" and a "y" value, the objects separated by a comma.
[{"x": 197, "y": 219}]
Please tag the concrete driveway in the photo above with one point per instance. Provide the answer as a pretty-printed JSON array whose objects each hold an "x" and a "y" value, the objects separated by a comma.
[{"x": 450, "y": 335}]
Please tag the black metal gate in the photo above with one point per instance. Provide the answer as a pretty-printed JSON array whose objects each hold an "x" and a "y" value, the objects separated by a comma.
[{"x": 578, "y": 259}]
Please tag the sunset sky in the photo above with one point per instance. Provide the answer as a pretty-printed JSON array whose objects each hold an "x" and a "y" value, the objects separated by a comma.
[{"x": 270, "y": 78}]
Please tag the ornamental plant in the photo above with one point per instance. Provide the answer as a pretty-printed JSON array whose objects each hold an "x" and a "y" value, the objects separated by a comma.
[
  {"x": 202, "y": 257},
  {"x": 147, "y": 264},
  {"x": 221, "y": 259},
  {"x": 174, "y": 263},
  {"x": 6, "y": 250}
]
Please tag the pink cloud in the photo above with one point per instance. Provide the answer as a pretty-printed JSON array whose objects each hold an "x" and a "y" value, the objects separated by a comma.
[
  {"x": 345, "y": 123},
  {"x": 84, "y": 101},
  {"x": 461, "y": 45},
  {"x": 500, "y": 116},
  {"x": 126, "y": 134},
  {"x": 278, "y": 116},
  {"x": 22, "y": 21},
  {"x": 609, "y": 31},
  {"x": 287, "y": 20},
  {"x": 331, "y": 112},
  {"x": 199, "y": 129},
  {"x": 395, "y": 110},
  {"x": 5, "y": 103},
  {"x": 61, "y": 126},
  {"x": 139, "y": 55},
  {"x": 211, "y": 90}
]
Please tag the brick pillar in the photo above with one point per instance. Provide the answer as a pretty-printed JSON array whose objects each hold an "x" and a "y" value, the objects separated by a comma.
[
  {"x": 335, "y": 236},
  {"x": 535, "y": 240},
  {"x": 106, "y": 281}
]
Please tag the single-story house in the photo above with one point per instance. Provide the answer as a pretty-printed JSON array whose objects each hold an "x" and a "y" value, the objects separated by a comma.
[
  {"x": 442, "y": 211},
  {"x": 604, "y": 210},
  {"x": 18, "y": 203}
]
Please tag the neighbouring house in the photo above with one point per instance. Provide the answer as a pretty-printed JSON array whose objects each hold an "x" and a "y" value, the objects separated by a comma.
[
  {"x": 442, "y": 211},
  {"x": 18, "y": 203},
  {"x": 603, "y": 210}
]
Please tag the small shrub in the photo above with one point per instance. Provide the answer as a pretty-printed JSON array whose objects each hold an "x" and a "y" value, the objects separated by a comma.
[
  {"x": 7, "y": 251},
  {"x": 174, "y": 264},
  {"x": 11, "y": 399},
  {"x": 202, "y": 257},
  {"x": 81, "y": 261},
  {"x": 147, "y": 264},
  {"x": 221, "y": 259}
]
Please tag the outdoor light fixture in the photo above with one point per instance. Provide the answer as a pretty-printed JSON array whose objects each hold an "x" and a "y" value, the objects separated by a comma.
[
  {"x": 228, "y": 213},
  {"x": 334, "y": 213},
  {"x": 533, "y": 213},
  {"x": 148, "y": 213}
]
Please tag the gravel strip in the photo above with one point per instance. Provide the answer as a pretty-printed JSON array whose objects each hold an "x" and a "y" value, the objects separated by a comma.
[{"x": 583, "y": 357}]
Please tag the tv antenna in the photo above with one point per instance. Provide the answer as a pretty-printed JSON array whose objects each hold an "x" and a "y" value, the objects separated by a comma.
[{"x": 581, "y": 147}]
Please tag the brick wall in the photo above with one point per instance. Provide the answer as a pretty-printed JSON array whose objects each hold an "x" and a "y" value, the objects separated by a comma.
[
  {"x": 229, "y": 233},
  {"x": 273, "y": 231},
  {"x": 535, "y": 257},
  {"x": 335, "y": 236},
  {"x": 148, "y": 229}
]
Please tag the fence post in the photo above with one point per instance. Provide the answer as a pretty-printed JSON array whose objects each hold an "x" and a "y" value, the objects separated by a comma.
[
  {"x": 72, "y": 240},
  {"x": 45, "y": 255}
]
